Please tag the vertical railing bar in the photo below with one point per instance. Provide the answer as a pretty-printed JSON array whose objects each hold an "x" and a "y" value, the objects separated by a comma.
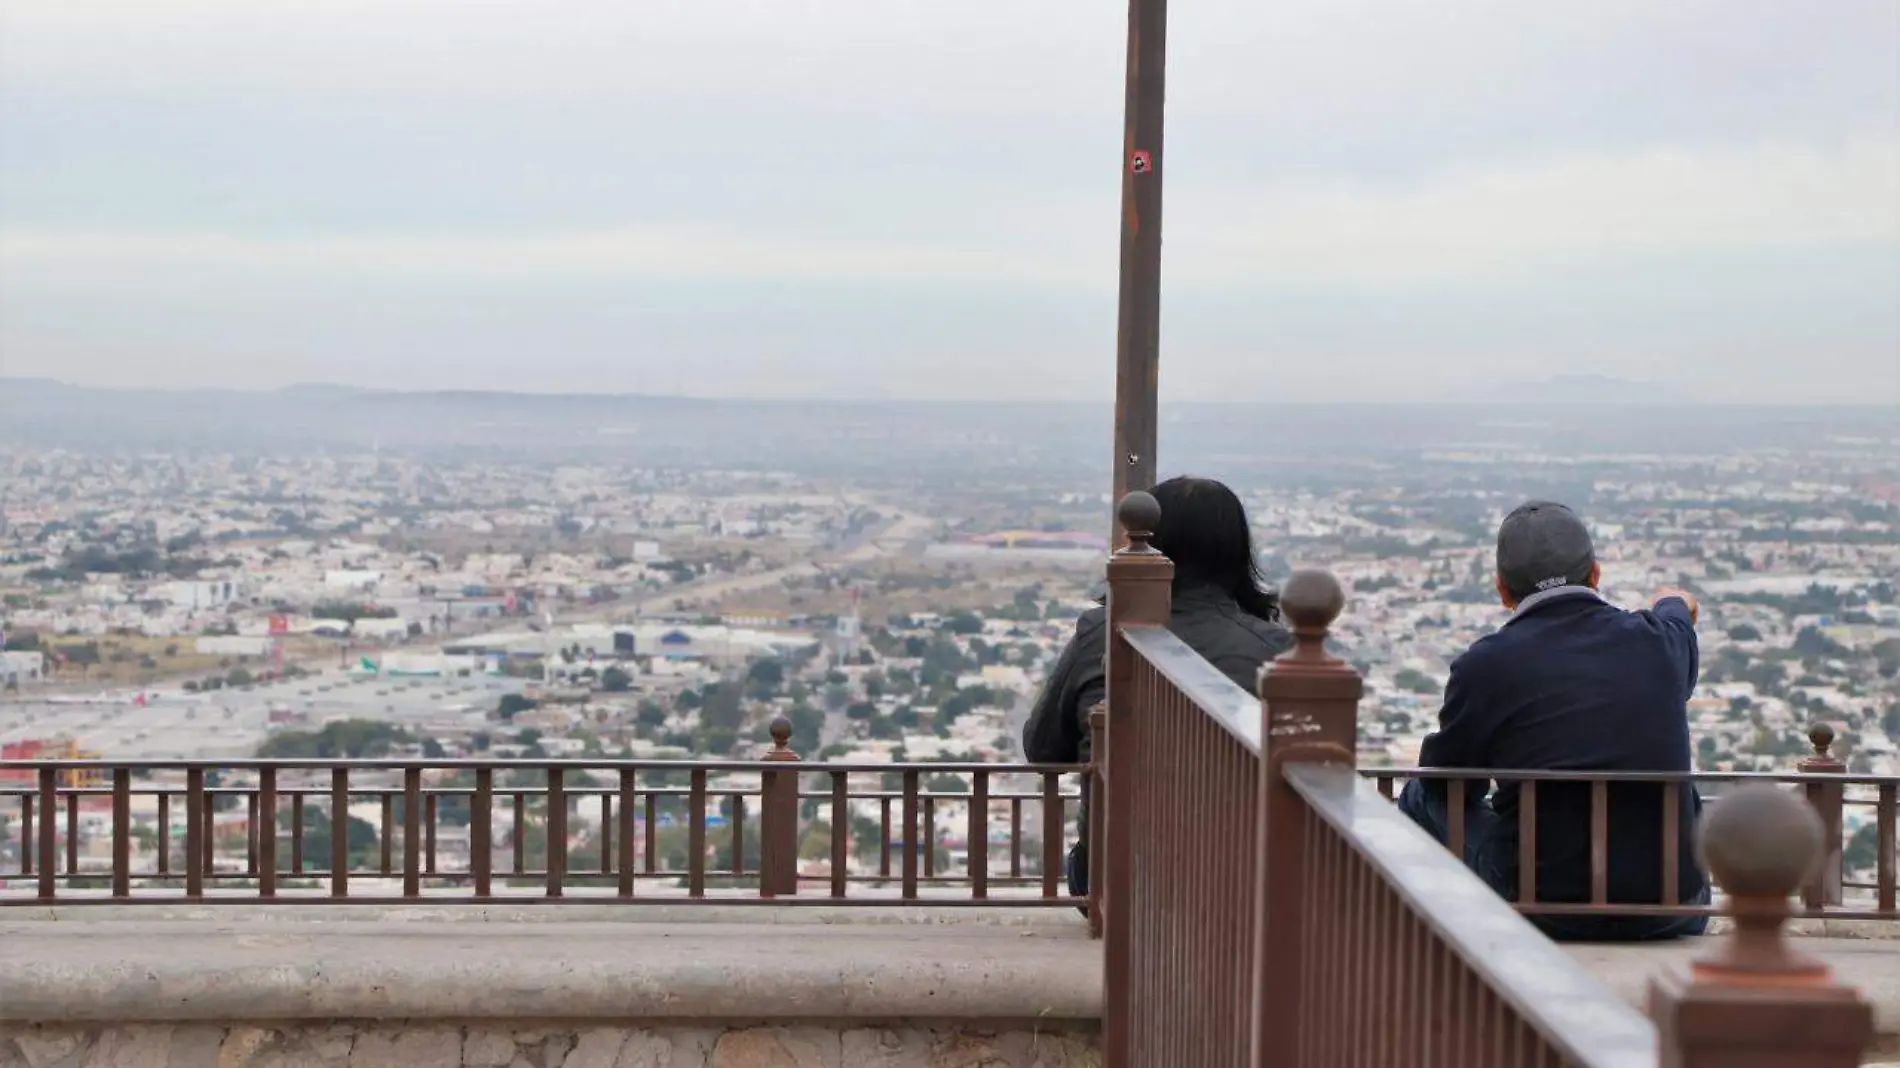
[
  {"x": 1527, "y": 841},
  {"x": 121, "y": 832},
  {"x": 928, "y": 835},
  {"x": 629, "y": 797},
  {"x": 1884, "y": 820},
  {"x": 49, "y": 834},
  {"x": 696, "y": 835},
  {"x": 735, "y": 804},
  {"x": 430, "y": 812},
  {"x": 1016, "y": 837},
  {"x": 296, "y": 830},
  {"x": 251, "y": 845},
  {"x": 194, "y": 832},
  {"x": 1052, "y": 826},
  {"x": 339, "y": 831},
  {"x": 607, "y": 836},
  {"x": 884, "y": 832},
  {"x": 1455, "y": 815},
  {"x": 840, "y": 833},
  {"x": 72, "y": 829},
  {"x": 910, "y": 778},
  {"x": 481, "y": 846},
  {"x": 1599, "y": 842},
  {"x": 411, "y": 831},
  {"x": 651, "y": 845},
  {"x": 1672, "y": 844},
  {"x": 266, "y": 832},
  {"x": 28, "y": 843},
  {"x": 519, "y": 839},
  {"x": 557, "y": 831},
  {"x": 978, "y": 836},
  {"x": 209, "y": 840},
  {"x": 386, "y": 864}
]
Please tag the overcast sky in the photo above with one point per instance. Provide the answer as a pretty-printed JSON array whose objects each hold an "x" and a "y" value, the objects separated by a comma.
[{"x": 1377, "y": 199}]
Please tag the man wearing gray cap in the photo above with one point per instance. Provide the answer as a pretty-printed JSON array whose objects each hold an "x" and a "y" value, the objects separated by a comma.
[{"x": 1570, "y": 682}]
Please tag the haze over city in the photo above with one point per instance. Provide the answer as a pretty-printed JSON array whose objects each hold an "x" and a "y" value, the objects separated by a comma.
[{"x": 861, "y": 199}]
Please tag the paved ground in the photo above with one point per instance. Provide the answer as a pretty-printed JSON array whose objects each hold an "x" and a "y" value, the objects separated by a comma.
[{"x": 1870, "y": 965}]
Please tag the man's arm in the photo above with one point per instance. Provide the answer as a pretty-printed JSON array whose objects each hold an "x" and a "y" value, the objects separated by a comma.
[
  {"x": 1463, "y": 733},
  {"x": 1675, "y": 612}
]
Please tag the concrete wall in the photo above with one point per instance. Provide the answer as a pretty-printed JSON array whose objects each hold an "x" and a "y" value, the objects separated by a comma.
[{"x": 574, "y": 986}]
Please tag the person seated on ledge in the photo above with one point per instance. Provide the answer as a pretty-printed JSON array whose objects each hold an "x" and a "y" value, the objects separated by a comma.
[
  {"x": 1220, "y": 609},
  {"x": 1570, "y": 682}
]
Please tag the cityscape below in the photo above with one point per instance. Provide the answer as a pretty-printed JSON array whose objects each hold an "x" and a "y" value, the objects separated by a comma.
[{"x": 346, "y": 574}]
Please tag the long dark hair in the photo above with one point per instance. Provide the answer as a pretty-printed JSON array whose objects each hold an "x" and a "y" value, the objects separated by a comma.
[{"x": 1204, "y": 530}]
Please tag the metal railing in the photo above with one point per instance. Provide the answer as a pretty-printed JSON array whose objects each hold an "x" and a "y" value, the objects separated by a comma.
[
  {"x": 1266, "y": 907},
  {"x": 778, "y": 830},
  {"x": 1832, "y": 892},
  {"x": 1408, "y": 960}
]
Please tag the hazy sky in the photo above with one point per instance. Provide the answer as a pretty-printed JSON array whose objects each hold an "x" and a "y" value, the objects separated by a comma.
[{"x": 1365, "y": 198}]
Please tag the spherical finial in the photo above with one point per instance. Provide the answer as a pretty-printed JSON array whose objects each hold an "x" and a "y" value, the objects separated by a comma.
[
  {"x": 1761, "y": 842},
  {"x": 781, "y": 732},
  {"x": 1821, "y": 737},
  {"x": 1139, "y": 514},
  {"x": 1311, "y": 600}
]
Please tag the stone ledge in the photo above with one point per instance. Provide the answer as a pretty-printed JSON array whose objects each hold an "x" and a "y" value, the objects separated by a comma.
[{"x": 238, "y": 969}]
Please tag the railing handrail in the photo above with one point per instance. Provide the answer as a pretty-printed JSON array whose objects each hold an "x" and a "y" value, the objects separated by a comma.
[
  {"x": 1221, "y": 698},
  {"x": 813, "y": 767},
  {"x": 1556, "y": 775},
  {"x": 1570, "y": 1007}
]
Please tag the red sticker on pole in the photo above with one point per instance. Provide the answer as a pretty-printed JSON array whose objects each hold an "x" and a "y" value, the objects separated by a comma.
[{"x": 1141, "y": 162}]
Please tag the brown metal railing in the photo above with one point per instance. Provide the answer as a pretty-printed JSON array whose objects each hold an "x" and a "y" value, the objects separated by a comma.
[
  {"x": 1829, "y": 893},
  {"x": 1361, "y": 940},
  {"x": 521, "y": 831},
  {"x": 1408, "y": 960},
  {"x": 1192, "y": 891}
]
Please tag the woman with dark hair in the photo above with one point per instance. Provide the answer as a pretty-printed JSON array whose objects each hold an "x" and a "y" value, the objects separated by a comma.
[{"x": 1220, "y": 609}]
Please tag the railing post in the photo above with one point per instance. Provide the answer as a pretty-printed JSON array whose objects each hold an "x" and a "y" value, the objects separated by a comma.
[
  {"x": 1096, "y": 786},
  {"x": 778, "y": 818},
  {"x": 1755, "y": 999},
  {"x": 1309, "y": 714},
  {"x": 1824, "y": 886},
  {"x": 1140, "y": 582}
]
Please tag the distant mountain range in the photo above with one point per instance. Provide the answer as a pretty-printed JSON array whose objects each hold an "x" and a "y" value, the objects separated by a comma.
[{"x": 1571, "y": 415}]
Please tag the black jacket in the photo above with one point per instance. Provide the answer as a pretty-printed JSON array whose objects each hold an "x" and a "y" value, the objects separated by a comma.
[
  {"x": 1573, "y": 683},
  {"x": 1203, "y": 616}
]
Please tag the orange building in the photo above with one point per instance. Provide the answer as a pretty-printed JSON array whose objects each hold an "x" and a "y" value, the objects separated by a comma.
[{"x": 55, "y": 749}]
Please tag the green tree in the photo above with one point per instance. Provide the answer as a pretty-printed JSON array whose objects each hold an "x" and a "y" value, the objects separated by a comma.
[
  {"x": 723, "y": 709},
  {"x": 615, "y": 680},
  {"x": 363, "y": 843},
  {"x": 349, "y": 739},
  {"x": 511, "y": 705}
]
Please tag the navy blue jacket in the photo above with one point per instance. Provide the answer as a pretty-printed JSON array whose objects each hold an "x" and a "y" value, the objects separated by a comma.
[{"x": 1572, "y": 682}]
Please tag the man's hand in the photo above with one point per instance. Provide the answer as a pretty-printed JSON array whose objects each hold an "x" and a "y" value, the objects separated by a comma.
[{"x": 1695, "y": 609}]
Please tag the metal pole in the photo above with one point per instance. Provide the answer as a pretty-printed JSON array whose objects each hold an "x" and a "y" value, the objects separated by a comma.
[{"x": 1138, "y": 336}]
